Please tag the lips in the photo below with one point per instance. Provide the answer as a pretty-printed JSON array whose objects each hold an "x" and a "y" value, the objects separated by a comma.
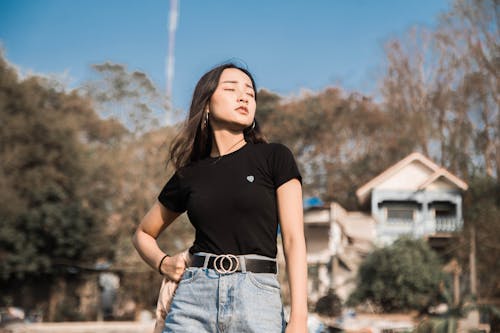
[{"x": 242, "y": 109}]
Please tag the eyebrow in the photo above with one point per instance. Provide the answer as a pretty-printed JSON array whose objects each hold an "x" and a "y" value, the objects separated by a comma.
[{"x": 246, "y": 84}]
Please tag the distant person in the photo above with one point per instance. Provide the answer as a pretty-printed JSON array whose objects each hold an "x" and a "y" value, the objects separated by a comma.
[{"x": 236, "y": 188}]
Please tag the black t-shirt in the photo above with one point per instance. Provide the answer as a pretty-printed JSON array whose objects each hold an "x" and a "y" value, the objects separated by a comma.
[{"x": 231, "y": 201}]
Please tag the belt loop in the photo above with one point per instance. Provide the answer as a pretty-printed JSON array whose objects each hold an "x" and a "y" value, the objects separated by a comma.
[
  {"x": 205, "y": 263},
  {"x": 243, "y": 264}
]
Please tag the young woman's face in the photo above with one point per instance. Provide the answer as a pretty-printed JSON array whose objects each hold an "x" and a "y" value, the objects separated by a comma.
[{"x": 233, "y": 103}]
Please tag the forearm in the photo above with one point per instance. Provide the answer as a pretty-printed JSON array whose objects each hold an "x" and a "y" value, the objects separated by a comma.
[
  {"x": 296, "y": 266},
  {"x": 144, "y": 239},
  {"x": 148, "y": 248}
]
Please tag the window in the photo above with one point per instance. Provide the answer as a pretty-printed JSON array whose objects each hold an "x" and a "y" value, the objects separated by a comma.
[
  {"x": 443, "y": 210},
  {"x": 445, "y": 214},
  {"x": 400, "y": 211},
  {"x": 400, "y": 214}
]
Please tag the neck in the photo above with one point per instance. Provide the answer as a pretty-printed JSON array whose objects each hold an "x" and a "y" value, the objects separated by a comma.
[{"x": 225, "y": 141}]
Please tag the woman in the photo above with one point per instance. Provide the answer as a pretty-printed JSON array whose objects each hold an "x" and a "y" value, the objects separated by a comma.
[{"x": 236, "y": 188}]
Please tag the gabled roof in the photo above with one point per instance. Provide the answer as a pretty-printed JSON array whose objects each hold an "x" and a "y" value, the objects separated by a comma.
[{"x": 436, "y": 173}]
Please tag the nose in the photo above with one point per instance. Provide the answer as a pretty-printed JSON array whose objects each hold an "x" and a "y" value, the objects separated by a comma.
[{"x": 242, "y": 97}]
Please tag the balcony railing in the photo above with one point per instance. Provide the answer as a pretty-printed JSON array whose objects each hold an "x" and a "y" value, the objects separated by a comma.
[
  {"x": 448, "y": 224},
  {"x": 401, "y": 220}
]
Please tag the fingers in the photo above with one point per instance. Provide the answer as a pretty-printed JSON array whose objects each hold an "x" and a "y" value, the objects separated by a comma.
[{"x": 173, "y": 267}]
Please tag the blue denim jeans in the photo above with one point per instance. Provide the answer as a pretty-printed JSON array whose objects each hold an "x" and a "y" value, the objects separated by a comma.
[{"x": 241, "y": 302}]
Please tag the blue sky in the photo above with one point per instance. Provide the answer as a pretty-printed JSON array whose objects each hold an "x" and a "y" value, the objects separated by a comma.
[{"x": 288, "y": 45}]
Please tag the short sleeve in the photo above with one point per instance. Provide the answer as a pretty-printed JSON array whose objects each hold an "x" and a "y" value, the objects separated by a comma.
[
  {"x": 172, "y": 195},
  {"x": 283, "y": 165}
]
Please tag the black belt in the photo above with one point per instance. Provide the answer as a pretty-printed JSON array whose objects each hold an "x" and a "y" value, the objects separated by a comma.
[{"x": 228, "y": 263}]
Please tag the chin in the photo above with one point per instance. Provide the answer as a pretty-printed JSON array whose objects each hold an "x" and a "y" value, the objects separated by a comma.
[{"x": 241, "y": 125}]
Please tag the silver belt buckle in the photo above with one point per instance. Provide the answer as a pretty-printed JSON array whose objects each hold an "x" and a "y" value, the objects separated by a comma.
[{"x": 221, "y": 259}]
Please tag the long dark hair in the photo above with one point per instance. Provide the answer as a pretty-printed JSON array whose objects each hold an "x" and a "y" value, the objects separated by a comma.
[{"x": 194, "y": 141}]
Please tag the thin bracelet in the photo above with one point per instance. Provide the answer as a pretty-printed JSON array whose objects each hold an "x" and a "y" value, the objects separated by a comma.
[{"x": 161, "y": 262}]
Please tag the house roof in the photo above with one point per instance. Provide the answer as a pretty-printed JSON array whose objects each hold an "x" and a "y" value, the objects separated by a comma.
[{"x": 436, "y": 172}]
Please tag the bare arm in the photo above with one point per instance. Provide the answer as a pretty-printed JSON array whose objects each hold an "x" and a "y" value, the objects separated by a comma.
[
  {"x": 289, "y": 198},
  {"x": 152, "y": 224}
]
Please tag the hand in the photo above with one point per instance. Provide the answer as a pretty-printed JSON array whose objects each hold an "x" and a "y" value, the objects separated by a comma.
[
  {"x": 296, "y": 327},
  {"x": 173, "y": 267}
]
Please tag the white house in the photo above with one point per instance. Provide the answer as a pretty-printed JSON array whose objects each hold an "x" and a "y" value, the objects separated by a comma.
[{"x": 415, "y": 196}]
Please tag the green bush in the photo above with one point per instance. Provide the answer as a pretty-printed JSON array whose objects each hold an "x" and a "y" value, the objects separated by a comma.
[
  {"x": 401, "y": 277},
  {"x": 329, "y": 305}
]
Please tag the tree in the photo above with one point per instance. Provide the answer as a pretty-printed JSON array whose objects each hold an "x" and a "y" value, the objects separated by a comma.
[
  {"x": 73, "y": 187},
  {"x": 129, "y": 97},
  {"x": 268, "y": 103},
  {"x": 50, "y": 198},
  {"x": 408, "y": 86},
  {"x": 443, "y": 87},
  {"x": 481, "y": 212},
  {"x": 469, "y": 35},
  {"x": 403, "y": 276}
]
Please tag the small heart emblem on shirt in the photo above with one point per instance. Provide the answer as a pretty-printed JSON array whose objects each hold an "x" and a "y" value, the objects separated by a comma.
[{"x": 250, "y": 179}]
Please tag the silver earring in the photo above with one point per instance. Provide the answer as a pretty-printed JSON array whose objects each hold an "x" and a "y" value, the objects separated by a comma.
[
  {"x": 253, "y": 124},
  {"x": 206, "y": 118}
]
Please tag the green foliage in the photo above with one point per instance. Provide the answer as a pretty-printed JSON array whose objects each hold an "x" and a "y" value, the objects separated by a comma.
[
  {"x": 46, "y": 219},
  {"x": 329, "y": 305},
  {"x": 482, "y": 212},
  {"x": 74, "y": 186},
  {"x": 403, "y": 276}
]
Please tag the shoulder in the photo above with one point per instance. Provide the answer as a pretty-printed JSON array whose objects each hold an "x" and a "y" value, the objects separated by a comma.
[
  {"x": 281, "y": 163},
  {"x": 274, "y": 154}
]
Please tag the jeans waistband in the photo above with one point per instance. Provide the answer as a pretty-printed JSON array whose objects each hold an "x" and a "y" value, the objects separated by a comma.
[{"x": 228, "y": 263}]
